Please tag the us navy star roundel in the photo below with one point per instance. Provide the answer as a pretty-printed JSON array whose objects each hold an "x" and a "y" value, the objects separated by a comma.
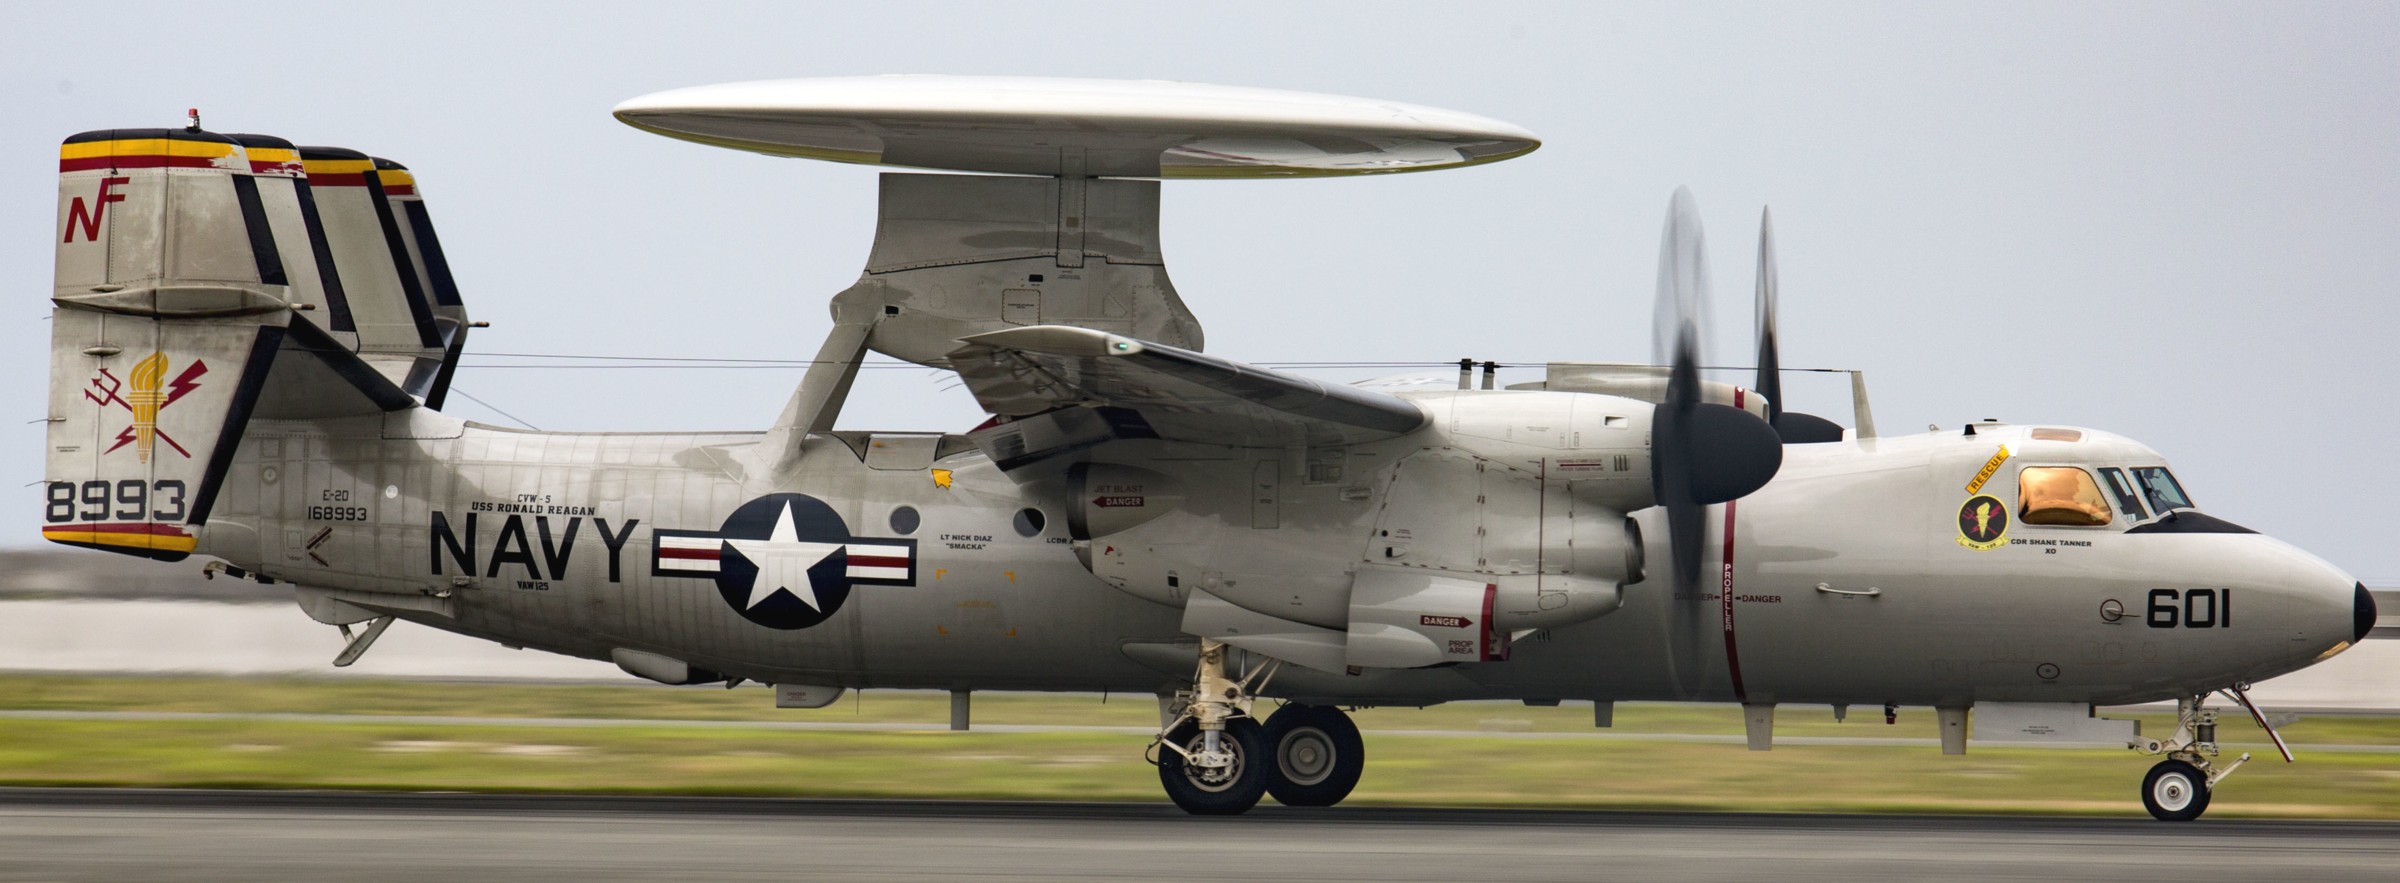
[{"x": 784, "y": 561}]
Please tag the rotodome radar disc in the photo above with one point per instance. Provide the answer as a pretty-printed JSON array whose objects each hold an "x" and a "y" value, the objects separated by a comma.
[{"x": 1100, "y": 128}]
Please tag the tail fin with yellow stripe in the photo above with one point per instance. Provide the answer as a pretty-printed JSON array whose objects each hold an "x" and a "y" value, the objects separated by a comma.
[{"x": 204, "y": 280}]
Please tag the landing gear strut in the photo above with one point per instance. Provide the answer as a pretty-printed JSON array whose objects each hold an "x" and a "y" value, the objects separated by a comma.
[
  {"x": 1212, "y": 756},
  {"x": 1215, "y": 758},
  {"x": 2178, "y": 788}
]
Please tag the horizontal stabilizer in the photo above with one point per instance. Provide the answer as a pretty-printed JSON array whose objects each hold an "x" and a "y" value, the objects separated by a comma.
[{"x": 1178, "y": 394}]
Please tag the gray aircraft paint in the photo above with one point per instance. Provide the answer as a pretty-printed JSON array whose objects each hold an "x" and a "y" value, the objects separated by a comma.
[
  {"x": 1394, "y": 545},
  {"x": 993, "y": 609},
  {"x": 1282, "y": 504}
]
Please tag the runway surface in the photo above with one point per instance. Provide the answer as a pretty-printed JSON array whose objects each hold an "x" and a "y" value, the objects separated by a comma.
[{"x": 78, "y": 835}]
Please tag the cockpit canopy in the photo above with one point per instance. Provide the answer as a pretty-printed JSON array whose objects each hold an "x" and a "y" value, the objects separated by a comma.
[{"x": 2072, "y": 496}]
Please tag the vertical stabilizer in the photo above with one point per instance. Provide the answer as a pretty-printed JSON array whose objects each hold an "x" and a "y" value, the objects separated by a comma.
[
  {"x": 298, "y": 232},
  {"x": 168, "y": 275},
  {"x": 432, "y": 268},
  {"x": 388, "y": 298}
]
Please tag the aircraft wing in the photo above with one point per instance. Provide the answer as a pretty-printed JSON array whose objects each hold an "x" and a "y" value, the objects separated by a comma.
[{"x": 1138, "y": 389}]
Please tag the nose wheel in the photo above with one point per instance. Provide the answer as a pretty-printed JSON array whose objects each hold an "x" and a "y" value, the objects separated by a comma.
[{"x": 2175, "y": 791}]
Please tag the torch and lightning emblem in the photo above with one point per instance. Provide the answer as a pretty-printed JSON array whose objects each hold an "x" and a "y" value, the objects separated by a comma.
[
  {"x": 1983, "y": 523},
  {"x": 141, "y": 393}
]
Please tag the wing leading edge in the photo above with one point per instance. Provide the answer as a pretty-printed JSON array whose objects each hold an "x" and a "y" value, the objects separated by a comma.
[{"x": 1143, "y": 389}]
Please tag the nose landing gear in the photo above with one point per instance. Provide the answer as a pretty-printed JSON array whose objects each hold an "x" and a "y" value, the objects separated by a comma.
[{"x": 2178, "y": 788}]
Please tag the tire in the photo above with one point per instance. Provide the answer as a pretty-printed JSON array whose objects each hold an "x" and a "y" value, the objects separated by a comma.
[
  {"x": 2175, "y": 791},
  {"x": 1318, "y": 755},
  {"x": 1221, "y": 794}
]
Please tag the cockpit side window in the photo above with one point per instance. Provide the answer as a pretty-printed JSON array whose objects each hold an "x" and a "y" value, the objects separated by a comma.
[
  {"x": 2127, "y": 501},
  {"x": 2064, "y": 495},
  {"x": 2160, "y": 489}
]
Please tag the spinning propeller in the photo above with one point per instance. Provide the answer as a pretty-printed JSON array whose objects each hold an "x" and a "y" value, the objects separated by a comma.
[
  {"x": 1701, "y": 453},
  {"x": 1794, "y": 427}
]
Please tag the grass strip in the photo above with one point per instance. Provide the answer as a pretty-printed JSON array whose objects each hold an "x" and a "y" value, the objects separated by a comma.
[{"x": 1459, "y": 770}]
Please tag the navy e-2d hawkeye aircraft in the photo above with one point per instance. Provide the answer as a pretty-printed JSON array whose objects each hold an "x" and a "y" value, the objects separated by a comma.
[{"x": 252, "y": 343}]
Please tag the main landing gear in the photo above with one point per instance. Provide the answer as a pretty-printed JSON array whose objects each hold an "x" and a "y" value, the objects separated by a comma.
[
  {"x": 1215, "y": 758},
  {"x": 2178, "y": 788}
]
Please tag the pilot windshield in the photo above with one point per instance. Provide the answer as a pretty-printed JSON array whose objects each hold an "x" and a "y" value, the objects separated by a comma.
[
  {"x": 2160, "y": 489},
  {"x": 2059, "y": 495},
  {"x": 2121, "y": 488}
]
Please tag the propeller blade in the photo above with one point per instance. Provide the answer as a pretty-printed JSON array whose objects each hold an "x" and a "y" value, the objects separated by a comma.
[
  {"x": 1682, "y": 308},
  {"x": 1793, "y": 427},
  {"x": 1701, "y": 454},
  {"x": 1674, "y": 431},
  {"x": 1770, "y": 373}
]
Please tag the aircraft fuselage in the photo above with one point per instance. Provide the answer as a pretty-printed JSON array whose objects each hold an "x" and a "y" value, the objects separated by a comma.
[{"x": 1851, "y": 578}]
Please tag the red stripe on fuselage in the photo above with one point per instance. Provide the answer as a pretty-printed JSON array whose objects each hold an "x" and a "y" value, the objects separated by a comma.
[
  {"x": 1733, "y": 659},
  {"x": 1493, "y": 649},
  {"x": 695, "y": 554},
  {"x": 857, "y": 560}
]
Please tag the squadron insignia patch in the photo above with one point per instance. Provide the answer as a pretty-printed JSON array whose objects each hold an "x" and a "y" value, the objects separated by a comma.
[
  {"x": 145, "y": 392},
  {"x": 1983, "y": 523}
]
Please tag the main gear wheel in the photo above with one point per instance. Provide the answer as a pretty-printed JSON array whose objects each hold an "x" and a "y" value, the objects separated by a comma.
[{"x": 1317, "y": 753}]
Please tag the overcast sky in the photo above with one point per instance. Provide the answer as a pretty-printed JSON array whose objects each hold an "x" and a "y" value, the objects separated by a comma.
[{"x": 2180, "y": 222}]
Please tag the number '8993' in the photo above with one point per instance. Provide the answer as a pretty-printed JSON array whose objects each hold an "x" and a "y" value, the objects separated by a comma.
[{"x": 130, "y": 499}]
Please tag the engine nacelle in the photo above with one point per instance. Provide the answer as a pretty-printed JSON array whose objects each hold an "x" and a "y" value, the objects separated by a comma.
[
  {"x": 1597, "y": 445},
  {"x": 1113, "y": 498},
  {"x": 1507, "y": 516}
]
